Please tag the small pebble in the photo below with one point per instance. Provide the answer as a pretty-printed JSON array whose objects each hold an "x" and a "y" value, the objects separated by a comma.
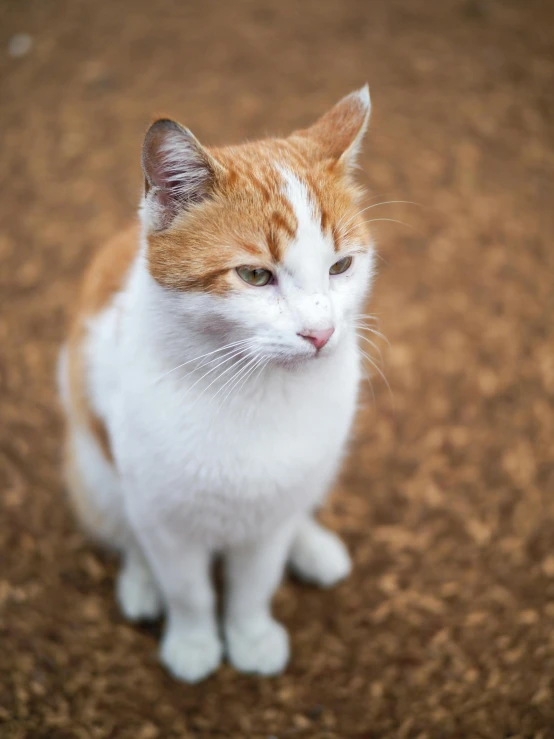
[{"x": 20, "y": 45}]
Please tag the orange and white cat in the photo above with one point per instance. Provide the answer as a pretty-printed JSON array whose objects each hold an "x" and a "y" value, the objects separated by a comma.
[{"x": 210, "y": 381}]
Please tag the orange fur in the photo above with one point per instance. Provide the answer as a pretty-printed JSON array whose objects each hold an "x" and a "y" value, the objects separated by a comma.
[
  {"x": 337, "y": 130},
  {"x": 102, "y": 280},
  {"x": 248, "y": 219}
]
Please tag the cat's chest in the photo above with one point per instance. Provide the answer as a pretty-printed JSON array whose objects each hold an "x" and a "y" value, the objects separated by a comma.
[
  {"x": 267, "y": 440},
  {"x": 235, "y": 475}
]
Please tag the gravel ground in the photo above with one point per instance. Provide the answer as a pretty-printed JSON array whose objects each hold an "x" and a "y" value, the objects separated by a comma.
[{"x": 445, "y": 628}]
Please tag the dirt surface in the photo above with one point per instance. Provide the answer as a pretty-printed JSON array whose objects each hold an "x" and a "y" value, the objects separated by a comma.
[{"x": 446, "y": 628}]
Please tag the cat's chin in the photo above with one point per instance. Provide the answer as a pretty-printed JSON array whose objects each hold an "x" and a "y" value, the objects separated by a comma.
[{"x": 294, "y": 362}]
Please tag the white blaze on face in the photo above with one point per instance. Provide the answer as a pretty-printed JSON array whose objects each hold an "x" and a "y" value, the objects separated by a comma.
[{"x": 304, "y": 274}]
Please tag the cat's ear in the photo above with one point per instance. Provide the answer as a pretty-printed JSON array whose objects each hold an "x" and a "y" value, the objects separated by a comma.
[
  {"x": 340, "y": 131},
  {"x": 178, "y": 172}
]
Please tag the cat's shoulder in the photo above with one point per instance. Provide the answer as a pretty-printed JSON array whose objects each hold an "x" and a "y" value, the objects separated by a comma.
[
  {"x": 107, "y": 271},
  {"x": 103, "y": 279}
]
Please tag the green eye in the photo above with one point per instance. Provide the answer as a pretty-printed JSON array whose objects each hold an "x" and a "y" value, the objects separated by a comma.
[
  {"x": 255, "y": 276},
  {"x": 341, "y": 266}
]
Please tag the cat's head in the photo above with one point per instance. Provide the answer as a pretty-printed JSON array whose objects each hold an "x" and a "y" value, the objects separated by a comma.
[{"x": 261, "y": 243}]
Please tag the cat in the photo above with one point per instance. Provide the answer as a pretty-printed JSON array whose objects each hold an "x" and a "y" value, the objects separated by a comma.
[{"x": 210, "y": 380}]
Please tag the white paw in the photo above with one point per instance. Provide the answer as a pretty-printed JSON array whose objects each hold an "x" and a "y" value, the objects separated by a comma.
[
  {"x": 137, "y": 594},
  {"x": 319, "y": 556},
  {"x": 191, "y": 655},
  {"x": 259, "y": 645}
]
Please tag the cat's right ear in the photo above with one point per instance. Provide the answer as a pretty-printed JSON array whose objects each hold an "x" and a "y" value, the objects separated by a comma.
[
  {"x": 178, "y": 172},
  {"x": 340, "y": 131}
]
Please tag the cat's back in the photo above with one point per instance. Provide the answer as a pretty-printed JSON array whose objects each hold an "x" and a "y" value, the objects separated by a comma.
[
  {"x": 102, "y": 281},
  {"x": 106, "y": 273}
]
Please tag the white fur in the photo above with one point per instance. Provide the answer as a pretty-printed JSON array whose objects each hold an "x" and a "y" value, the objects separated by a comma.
[
  {"x": 206, "y": 468},
  {"x": 319, "y": 556}
]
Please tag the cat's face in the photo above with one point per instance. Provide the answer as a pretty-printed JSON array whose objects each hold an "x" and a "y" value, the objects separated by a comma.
[{"x": 261, "y": 244}]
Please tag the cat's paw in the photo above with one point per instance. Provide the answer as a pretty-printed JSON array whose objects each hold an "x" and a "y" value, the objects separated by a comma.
[
  {"x": 137, "y": 594},
  {"x": 258, "y": 645},
  {"x": 191, "y": 655},
  {"x": 319, "y": 556}
]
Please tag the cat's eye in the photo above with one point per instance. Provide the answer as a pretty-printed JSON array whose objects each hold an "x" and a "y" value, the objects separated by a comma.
[
  {"x": 255, "y": 276},
  {"x": 341, "y": 266}
]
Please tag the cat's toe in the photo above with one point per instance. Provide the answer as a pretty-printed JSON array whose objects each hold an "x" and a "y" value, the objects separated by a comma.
[
  {"x": 138, "y": 595},
  {"x": 191, "y": 655},
  {"x": 260, "y": 646},
  {"x": 319, "y": 556}
]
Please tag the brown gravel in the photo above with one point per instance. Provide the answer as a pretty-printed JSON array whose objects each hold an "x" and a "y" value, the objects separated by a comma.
[{"x": 447, "y": 501}]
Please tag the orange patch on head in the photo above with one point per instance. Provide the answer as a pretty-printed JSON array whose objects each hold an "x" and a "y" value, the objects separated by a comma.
[
  {"x": 239, "y": 214},
  {"x": 247, "y": 220}
]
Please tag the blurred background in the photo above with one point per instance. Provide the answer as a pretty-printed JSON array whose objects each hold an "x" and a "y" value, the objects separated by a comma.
[{"x": 445, "y": 628}]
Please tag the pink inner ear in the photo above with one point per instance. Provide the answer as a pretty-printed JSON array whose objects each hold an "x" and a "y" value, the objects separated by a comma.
[{"x": 177, "y": 167}]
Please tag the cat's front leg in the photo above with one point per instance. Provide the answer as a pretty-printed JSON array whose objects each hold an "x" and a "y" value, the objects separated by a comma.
[
  {"x": 255, "y": 641},
  {"x": 191, "y": 647}
]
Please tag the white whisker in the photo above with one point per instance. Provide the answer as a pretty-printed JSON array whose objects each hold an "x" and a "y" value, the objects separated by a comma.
[
  {"x": 232, "y": 381},
  {"x": 391, "y": 220},
  {"x": 368, "y": 378},
  {"x": 195, "y": 359},
  {"x": 238, "y": 374},
  {"x": 372, "y": 343},
  {"x": 229, "y": 354},
  {"x": 375, "y": 205},
  {"x": 245, "y": 372},
  {"x": 373, "y": 331},
  {"x": 369, "y": 316},
  {"x": 218, "y": 376},
  {"x": 249, "y": 374},
  {"x": 370, "y": 360}
]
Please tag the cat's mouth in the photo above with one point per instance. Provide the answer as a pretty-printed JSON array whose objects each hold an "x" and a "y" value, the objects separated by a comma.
[{"x": 292, "y": 359}]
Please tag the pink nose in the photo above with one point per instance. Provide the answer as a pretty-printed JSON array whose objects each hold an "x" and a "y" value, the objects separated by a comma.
[{"x": 318, "y": 338}]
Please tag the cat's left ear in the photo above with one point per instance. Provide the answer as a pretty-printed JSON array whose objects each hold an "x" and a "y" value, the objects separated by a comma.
[
  {"x": 178, "y": 172},
  {"x": 340, "y": 131}
]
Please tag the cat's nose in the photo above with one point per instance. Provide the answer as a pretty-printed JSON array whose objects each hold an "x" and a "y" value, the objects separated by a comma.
[{"x": 318, "y": 338}]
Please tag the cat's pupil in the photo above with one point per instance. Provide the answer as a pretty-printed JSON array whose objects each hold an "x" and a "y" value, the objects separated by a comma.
[
  {"x": 341, "y": 266},
  {"x": 255, "y": 276}
]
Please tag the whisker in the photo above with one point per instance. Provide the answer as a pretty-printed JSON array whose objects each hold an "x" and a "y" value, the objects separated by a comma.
[
  {"x": 229, "y": 354},
  {"x": 375, "y": 205},
  {"x": 373, "y": 331},
  {"x": 391, "y": 220},
  {"x": 262, "y": 362},
  {"x": 237, "y": 389},
  {"x": 370, "y": 360},
  {"x": 195, "y": 359},
  {"x": 227, "y": 359},
  {"x": 381, "y": 257},
  {"x": 241, "y": 375},
  {"x": 369, "y": 316},
  {"x": 368, "y": 378},
  {"x": 362, "y": 210},
  {"x": 218, "y": 376},
  {"x": 250, "y": 361},
  {"x": 373, "y": 344}
]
